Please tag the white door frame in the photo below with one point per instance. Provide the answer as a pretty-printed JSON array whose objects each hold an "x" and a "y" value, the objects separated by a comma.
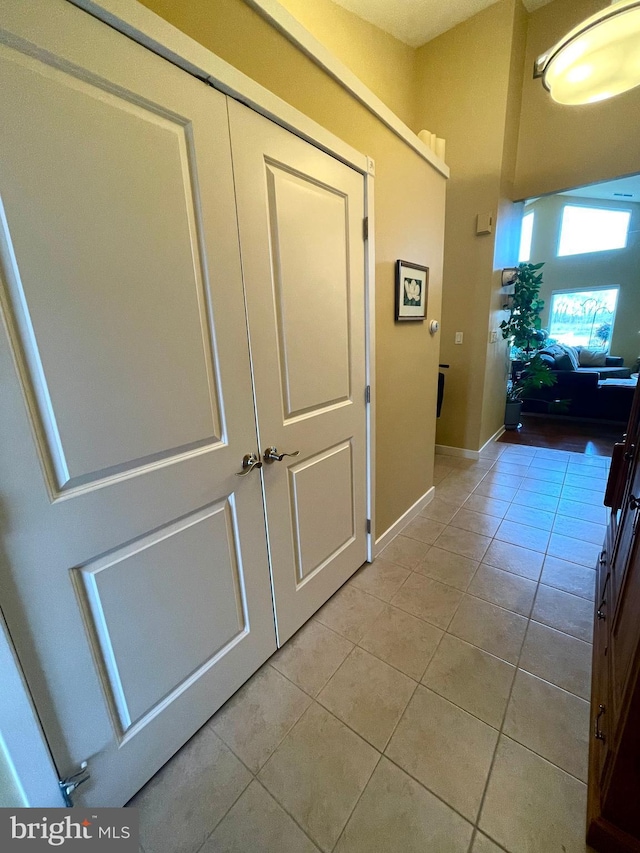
[{"x": 23, "y": 747}]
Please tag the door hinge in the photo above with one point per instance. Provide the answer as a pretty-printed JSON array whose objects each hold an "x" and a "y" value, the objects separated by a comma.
[
  {"x": 365, "y": 228},
  {"x": 367, "y": 394},
  {"x": 69, "y": 785},
  {"x": 368, "y": 525}
]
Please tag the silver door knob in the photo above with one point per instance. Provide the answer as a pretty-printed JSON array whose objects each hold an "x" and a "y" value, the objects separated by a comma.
[
  {"x": 271, "y": 454},
  {"x": 249, "y": 462}
]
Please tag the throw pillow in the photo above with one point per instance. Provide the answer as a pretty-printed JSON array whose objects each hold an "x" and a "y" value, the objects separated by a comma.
[
  {"x": 572, "y": 352},
  {"x": 592, "y": 358}
]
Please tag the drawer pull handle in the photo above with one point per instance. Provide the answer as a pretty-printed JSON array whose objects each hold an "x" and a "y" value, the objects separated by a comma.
[
  {"x": 598, "y": 733},
  {"x": 603, "y": 558},
  {"x": 600, "y": 613}
]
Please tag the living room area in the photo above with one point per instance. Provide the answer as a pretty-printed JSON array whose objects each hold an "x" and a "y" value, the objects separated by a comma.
[{"x": 587, "y": 243}]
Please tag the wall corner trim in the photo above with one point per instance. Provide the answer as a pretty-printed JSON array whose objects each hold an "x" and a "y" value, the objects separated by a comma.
[
  {"x": 292, "y": 29},
  {"x": 402, "y": 522},
  {"x": 493, "y": 438}
]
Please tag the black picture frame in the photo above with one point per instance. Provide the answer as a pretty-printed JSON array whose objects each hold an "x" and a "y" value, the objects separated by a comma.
[{"x": 412, "y": 291}]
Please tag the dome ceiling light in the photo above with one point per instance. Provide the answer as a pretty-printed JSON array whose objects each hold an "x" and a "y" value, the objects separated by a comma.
[{"x": 598, "y": 59}]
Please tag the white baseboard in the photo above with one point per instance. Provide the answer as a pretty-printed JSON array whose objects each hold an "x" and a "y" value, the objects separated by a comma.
[
  {"x": 463, "y": 452},
  {"x": 404, "y": 519},
  {"x": 446, "y": 450},
  {"x": 493, "y": 438}
]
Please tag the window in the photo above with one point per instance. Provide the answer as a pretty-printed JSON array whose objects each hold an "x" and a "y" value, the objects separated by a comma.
[
  {"x": 583, "y": 317},
  {"x": 592, "y": 229},
  {"x": 526, "y": 234}
]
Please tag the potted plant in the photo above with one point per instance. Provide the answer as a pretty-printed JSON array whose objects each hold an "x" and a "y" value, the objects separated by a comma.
[
  {"x": 523, "y": 328},
  {"x": 536, "y": 375}
]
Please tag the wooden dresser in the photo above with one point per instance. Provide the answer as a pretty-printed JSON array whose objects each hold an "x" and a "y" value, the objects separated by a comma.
[{"x": 613, "y": 818}]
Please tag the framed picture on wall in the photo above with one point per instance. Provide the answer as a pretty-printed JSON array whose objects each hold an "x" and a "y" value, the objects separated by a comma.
[{"x": 412, "y": 284}]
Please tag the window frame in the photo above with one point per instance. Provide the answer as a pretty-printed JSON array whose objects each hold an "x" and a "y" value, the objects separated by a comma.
[
  {"x": 569, "y": 290},
  {"x": 626, "y": 210},
  {"x": 530, "y": 214}
]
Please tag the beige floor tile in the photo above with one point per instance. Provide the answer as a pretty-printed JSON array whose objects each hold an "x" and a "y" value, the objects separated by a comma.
[
  {"x": 579, "y": 528},
  {"x": 503, "y": 478},
  {"x": 368, "y": 695},
  {"x": 532, "y": 516},
  {"x": 504, "y": 589},
  {"x": 549, "y": 503},
  {"x": 574, "y": 550},
  {"x": 565, "y": 612},
  {"x": 482, "y": 844},
  {"x": 585, "y": 496},
  {"x": 446, "y": 749},
  {"x": 318, "y": 773},
  {"x": 439, "y": 510},
  {"x": 531, "y": 805},
  {"x": 380, "y": 578},
  {"x": 254, "y": 721},
  {"x": 529, "y": 484},
  {"x": 405, "y": 551},
  {"x": 574, "y": 509},
  {"x": 185, "y": 800},
  {"x": 517, "y": 470},
  {"x": 538, "y": 472},
  {"x": 452, "y": 492},
  {"x": 489, "y": 506},
  {"x": 258, "y": 824},
  {"x": 428, "y": 599},
  {"x": 558, "y": 658},
  {"x": 402, "y": 640},
  {"x": 523, "y": 536},
  {"x": 476, "y": 522},
  {"x": 594, "y": 480},
  {"x": 513, "y": 558},
  {"x": 571, "y": 577},
  {"x": 470, "y": 678},
  {"x": 424, "y": 529},
  {"x": 495, "y": 490},
  {"x": 464, "y": 542},
  {"x": 397, "y": 815},
  {"x": 311, "y": 656},
  {"x": 468, "y": 479},
  {"x": 450, "y": 568},
  {"x": 491, "y": 628},
  {"x": 551, "y": 464},
  {"x": 350, "y": 612},
  {"x": 551, "y": 722}
]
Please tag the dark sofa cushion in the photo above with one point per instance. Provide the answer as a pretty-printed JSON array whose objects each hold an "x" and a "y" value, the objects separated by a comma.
[{"x": 561, "y": 359}]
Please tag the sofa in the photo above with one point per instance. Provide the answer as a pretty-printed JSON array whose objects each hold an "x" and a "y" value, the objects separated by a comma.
[{"x": 582, "y": 381}]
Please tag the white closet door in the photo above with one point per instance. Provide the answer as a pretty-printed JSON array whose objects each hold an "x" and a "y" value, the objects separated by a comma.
[
  {"x": 135, "y": 576},
  {"x": 300, "y": 216}
]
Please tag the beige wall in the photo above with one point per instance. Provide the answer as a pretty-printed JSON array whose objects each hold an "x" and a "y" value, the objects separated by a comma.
[
  {"x": 562, "y": 147},
  {"x": 409, "y": 207},
  {"x": 383, "y": 63},
  {"x": 467, "y": 93},
  {"x": 620, "y": 266}
]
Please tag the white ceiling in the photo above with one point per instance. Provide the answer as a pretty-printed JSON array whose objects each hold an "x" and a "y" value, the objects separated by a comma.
[
  {"x": 417, "y": 21},
  {"x": 624, "y": 189}
]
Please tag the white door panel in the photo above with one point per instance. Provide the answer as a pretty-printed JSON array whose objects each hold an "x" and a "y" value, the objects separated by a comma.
[
  {"x": 134, "y": 565},
  {"x": 300, "y": 215}
]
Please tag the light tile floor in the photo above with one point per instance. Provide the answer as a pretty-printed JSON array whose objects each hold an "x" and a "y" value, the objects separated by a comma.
[{"x": 438, "y": 702}]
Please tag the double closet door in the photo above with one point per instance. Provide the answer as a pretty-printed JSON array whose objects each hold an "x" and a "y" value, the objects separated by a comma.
[{"x": 182, "y": 286}]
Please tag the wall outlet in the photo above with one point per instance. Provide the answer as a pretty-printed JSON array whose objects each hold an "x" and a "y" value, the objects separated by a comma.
[
  {"x": 458, "y": 338},
  {"x": 493, "y": 337}
]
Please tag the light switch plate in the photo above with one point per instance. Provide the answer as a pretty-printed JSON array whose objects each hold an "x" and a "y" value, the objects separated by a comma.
[
  {"x": 493, "y": 337},
  {"x": 458, "y": 338}
]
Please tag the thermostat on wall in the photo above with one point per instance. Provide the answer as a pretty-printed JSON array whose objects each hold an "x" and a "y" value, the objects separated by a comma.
[{"x": 434, "y": 326}]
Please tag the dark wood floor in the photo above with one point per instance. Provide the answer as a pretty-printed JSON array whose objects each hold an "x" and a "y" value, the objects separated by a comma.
[{"x": 566, "y": 434}]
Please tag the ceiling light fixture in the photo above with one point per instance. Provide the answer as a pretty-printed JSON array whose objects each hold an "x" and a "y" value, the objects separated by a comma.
[{"x": 598, "y": 59}]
